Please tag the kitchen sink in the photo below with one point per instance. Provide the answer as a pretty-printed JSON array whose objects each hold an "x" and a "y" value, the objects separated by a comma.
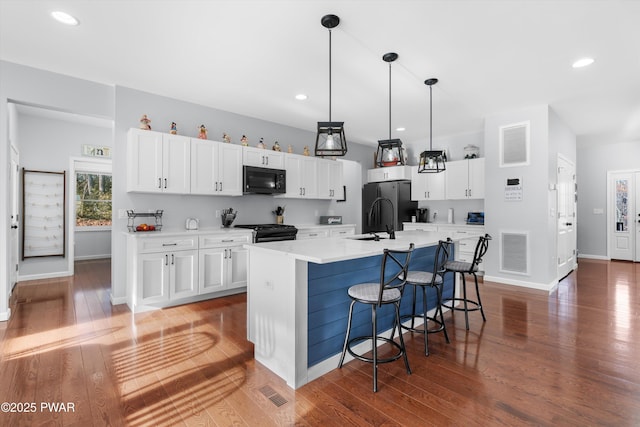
[{"x": 369, "y": 238}]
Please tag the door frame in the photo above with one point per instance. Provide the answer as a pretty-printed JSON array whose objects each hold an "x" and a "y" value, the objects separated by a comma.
[
  {"x": 611, "y": 207},
  {"x": 79, "y": 164}
]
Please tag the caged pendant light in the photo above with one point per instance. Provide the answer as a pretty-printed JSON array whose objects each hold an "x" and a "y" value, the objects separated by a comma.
[
  {"x": 330, "y": 140},
  {"x": 390, "y": 150},
  {"x": 431, "y": 161}
]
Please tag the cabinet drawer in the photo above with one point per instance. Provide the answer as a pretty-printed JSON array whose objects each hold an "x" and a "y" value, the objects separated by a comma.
[
  {"x": 167, "y": 244},
  {"x": 342, "y": 232},
  {"x": 311, "y": 234},
  {"x": 218, "y": 240}
]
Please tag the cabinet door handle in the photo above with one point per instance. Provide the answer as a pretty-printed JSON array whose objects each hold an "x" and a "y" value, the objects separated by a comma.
[
  {"x": 215, "y": 184},
  {"x": 169, "y": 244},
  {"x": 313, "y": 234},
  {"x": 159, "y": 182},
  {"x": 267, "y": 157},
  {"x": 166, "y": 259},
  {"x": 165, "y": 183},
  {"x": 300, "y": 191},
  {"x": 469, "y": 192},
  {"x": 227, "y": 240},
  {"x": 172, "y": 259},
  {"x": 428, "y": 194},
  {"x": 220, "y": 185},
  {"x": 304, "y": 191}
]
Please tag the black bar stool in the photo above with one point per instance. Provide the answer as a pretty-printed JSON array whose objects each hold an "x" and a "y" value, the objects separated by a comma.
[
  {"x": 433, "y": 279},
  {"x": 463, "y": 268},
  {"x": 393, "y": 276}
]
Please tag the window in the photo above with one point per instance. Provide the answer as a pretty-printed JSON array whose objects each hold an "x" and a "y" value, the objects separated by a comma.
[{"x": 93, "y": 199}]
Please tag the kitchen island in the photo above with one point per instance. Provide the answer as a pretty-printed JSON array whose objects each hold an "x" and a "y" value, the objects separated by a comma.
[{"x": 297, "y": 302}]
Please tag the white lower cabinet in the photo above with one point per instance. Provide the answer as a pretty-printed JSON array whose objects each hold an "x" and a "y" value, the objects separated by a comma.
[
  {"x": 468, "y": 235},
  {"x": 164, "y": 276},
  {"x": 166, "y": 270},
  {"x": 322, "y": 231},
  {"x": 223, "y": 263}
]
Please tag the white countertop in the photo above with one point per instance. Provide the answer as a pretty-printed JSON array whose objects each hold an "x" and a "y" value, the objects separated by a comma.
[
  {"x": 308, "y": 226},
  {"x": 322, "y": 251},
  {"x": 445, "y": 224},
  {"x": 181, "y": 232}
]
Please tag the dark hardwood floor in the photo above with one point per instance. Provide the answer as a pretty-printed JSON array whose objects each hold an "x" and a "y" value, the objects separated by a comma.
[{"x": 568, "y": 358}]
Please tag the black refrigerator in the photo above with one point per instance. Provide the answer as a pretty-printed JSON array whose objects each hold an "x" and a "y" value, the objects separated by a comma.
[{"x": 399, "y": 193}]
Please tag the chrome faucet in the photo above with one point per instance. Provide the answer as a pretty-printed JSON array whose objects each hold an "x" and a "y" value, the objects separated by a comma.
[{"x": 390, "y": 230}]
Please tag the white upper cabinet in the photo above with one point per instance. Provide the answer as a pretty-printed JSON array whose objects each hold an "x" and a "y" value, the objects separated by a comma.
[
  {"x": 389, "y": 173},
  {"x": 158, "y": 162},
  {"x": 302, "y": 176},
  {"x": 465, "y": 179},
  {"x": 262, "y": 158},
  {"x": 330, "y": 179},
  {"x": 216, "y": 168},
  {"x": 427, "y": 186}
]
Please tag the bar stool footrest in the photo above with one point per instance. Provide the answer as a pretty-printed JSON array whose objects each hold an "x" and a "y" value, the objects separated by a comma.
[
  {"x": 475, "y": 306},
  {"x": 358, "y": 340},
  {"x": 440, "y": 327}
]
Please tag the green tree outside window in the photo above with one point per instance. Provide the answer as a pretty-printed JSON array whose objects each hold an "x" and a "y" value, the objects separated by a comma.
[{"x": 93, "y": 199}]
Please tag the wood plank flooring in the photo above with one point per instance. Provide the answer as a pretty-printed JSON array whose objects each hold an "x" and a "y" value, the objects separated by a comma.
[{"x": 561, "y": 359}]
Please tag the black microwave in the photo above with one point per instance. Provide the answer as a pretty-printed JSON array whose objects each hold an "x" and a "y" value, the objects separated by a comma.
[{"x": 264, "y": 181}]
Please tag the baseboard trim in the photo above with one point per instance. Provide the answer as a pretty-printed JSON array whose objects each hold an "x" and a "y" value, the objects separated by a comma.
[
  {"x": 22, "y": 278},
  {"x": 117, "y": 300},
  {"x": 549, "y": 287},
  {"x": 89, "y": 257},
  {"x": 600, "y": 257}
]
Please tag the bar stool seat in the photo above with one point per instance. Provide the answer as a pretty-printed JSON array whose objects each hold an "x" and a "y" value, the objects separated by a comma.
[
  {"x": 434, "y": 279},
  {"x": 464, "y": 268},
  {"x": 388, "y": 290}
]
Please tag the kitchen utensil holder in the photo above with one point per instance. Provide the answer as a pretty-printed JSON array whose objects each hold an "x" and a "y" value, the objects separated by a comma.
[{"x": 157, "y": 215}]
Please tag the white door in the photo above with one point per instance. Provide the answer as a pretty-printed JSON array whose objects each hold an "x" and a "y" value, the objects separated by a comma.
[
  {"x": 457, "y": 179},
  {"x": 203, "y": 156},
  {"x": 176, "y": 164},
  {"x": 153, "y": 278},
  {"x": 620, "y": 218},
  {"x": 566, "y": 217},
  {"x": 14, "y": 176},
  {"x": 230, "y": 169},
  {"x": 212, "y": 270},
  {"x": 144, "y": 161},
  {"x": 184, "y": 274}
]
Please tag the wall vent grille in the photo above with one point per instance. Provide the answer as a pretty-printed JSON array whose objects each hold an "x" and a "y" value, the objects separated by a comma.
[
  {"x": 514, "y": 252},
  {"x": 514, "y": 144}
]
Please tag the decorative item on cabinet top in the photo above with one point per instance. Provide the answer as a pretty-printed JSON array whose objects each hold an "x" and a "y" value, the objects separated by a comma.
[{"x": 131, "y": 220}]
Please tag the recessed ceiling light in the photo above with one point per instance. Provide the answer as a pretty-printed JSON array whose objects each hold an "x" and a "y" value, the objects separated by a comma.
[
  {"x": 400, "y": 129},
  {"x": 301, "y": 97},
  {"x": 64, "y": 18},
  {"x": 583, "y": 62}
]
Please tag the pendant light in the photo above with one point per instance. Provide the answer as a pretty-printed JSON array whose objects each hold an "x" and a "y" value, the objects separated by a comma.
[
  {"x": 390, "y": 150},
  {"x": 330, "y": 140},
  {"x": 431, "y": 161}
]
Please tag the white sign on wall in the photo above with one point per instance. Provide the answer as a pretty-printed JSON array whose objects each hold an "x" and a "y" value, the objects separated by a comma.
[{"x": 513, "y": 190}]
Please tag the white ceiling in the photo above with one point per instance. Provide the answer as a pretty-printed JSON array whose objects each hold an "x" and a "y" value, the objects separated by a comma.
[{"x": 253, "y": 57}]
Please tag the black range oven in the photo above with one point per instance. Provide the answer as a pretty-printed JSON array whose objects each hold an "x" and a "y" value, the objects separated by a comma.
[{"x": 270, "y": 232}]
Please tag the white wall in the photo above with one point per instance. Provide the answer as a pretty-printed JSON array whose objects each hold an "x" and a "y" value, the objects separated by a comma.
[
  {"x": 595, "y": 157},
  {"x": 532, "y": 215}
]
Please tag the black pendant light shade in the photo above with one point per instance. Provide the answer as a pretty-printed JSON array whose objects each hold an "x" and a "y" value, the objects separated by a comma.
[
  {"x": 390, "y": 150},
  {"x": 330, "y": 140},
  {"x": 431, "y": 161}
]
